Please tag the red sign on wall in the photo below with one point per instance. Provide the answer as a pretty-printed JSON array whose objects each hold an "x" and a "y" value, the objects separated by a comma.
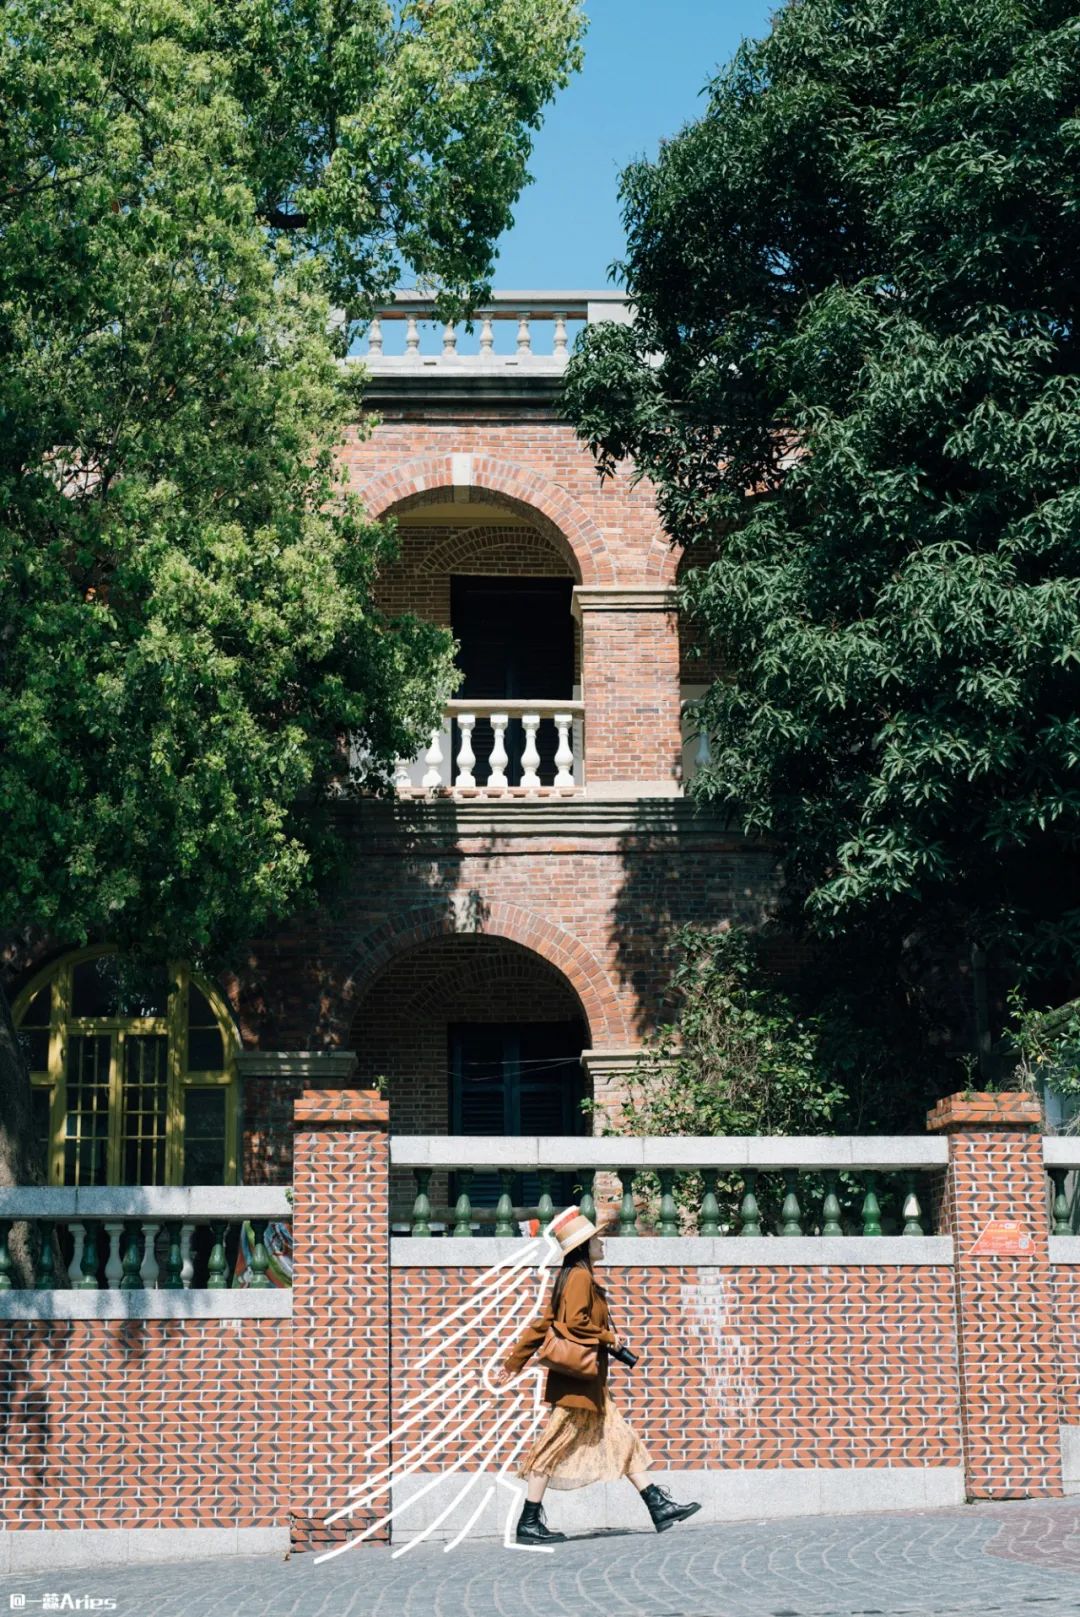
[{"x": 1001, "y": 1238}]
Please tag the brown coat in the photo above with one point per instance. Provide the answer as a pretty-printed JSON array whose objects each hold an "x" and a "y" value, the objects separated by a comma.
[{"x": 583, "y": 1313}]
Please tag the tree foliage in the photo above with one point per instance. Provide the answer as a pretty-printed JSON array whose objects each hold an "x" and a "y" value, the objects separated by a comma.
[
  {"x": 853, "y": 379},
  {"x": 188, "y": 631}
]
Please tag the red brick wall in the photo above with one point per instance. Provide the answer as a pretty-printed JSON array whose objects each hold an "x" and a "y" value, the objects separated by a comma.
[
  {"x": 1066, "y": 1284},
  {"x": 144, "y": 1423},
  {"x": 752, "y": 1367}
]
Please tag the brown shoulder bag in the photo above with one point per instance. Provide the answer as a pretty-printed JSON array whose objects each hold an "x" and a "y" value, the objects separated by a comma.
[{"x": 581, "y": 1360}]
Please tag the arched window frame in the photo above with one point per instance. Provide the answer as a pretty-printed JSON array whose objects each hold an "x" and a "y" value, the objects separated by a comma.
[{"x": 181, "y": 1079}]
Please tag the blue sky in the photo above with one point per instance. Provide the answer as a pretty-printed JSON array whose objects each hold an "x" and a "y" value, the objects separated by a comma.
[{"x": 645, "y": 63}]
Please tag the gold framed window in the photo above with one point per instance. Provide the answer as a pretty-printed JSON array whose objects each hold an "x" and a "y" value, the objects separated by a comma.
[{"x": 134, "y": 1079}]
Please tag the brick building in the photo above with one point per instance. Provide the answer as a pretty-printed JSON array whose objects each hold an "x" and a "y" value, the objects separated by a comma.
[
  {"x": 269, "y": 1273},
  {"x": 504, "y": 948}
]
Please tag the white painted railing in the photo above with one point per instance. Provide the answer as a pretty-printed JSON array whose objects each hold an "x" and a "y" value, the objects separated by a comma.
[
  {"x": 538, "y": 324},
  {"x": 447, "y": 765}
]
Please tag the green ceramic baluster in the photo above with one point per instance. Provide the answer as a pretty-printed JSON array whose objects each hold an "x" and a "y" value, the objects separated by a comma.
[
  {"x": 6, "y": 1283},
  {"x": 790, "y": 1211},
  {"x": 1061, "y": 1202},
  {"x": 131, "y": 1279},
  {"x": 627, "y": 1211},
  {"x": 421, "y": 1212},
  {"x": 545, "y": 1207},
  {"x": 830, "y": 1208},
  {"x": 912, "y": 1210},
  {"x": 669, "y": 1213},
  {"x": 260, "y": 1257},
  {"x": 89, "y": 1264},
  {"x": 871, "y": 1211},
  {"x": 174, "y": 1263},
  {"x": 463, "y": 1206},
  {"x": 504, "y": 1210},
  {"x": 587, "y": 1205},
  {"x": 709, "y": 1222},
  {"x": 749, "y": 1216},
  {"x": 46, "y": 1267},
  {"x": 218, "y": 1269}
]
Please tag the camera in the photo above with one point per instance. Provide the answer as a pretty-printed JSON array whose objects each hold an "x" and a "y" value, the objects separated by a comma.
[{"x": 624, "y": 1356}]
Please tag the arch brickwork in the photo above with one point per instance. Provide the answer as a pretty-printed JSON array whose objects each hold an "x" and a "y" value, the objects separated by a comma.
[{"x": 583, "y": 971}]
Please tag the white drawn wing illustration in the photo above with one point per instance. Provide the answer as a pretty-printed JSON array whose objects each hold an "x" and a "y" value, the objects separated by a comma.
[{"x": 462, "y": 1401}]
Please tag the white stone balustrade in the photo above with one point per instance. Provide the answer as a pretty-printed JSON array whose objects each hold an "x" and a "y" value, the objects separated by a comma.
[
  {"x": 443, "y": 768},
  {"x": 541, "y": 321}
]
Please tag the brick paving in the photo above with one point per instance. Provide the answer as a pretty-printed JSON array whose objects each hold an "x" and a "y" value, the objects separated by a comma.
[{"x": 1019, "y": 1560}]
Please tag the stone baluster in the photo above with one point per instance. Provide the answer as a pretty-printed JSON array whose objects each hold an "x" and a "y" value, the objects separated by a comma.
[
  {"x": 187, "y": 1262},
  {"x": 703, "y": 751},
  {"x": 524, "y": 336},
  {"x": 131, "y": 1257},
  {"x": 217, "y": 1264},
  {"x": 487, "y": 338},
  {"x": 545, "y": 1207},
  {"x": 912, "y": 1210},
  {"x": 466, "y": 780},
  {"x": 78, "y": 1236},
  {"x": 88, "y": 1263},
  {"x": 46, "y": 1267},
  {"x": 790, "y": 1211},
  {"x": 530, "y": 757},
  {"x": 499, "y": 759},
  {"x": 504, "y": 1207},
  {"x": 433, "y": 757},
  {"x": 564, "y": 753},
  {"x": 174, "y": 1260},
  {"x": 402, "y": 780},
  {"x": 463, "y": 1206},
  {"x": 1060, "y": 1207},
  {"x": 560, "y": 348},
  {"x": 375, "y": 339},
  {"x": 627, "y": 1210},
  {"x": 149, "y": 1269},
  {"x": 114, "y": 1263},
  {"x": 709, "y": 1218},
  {"x": 412, "y": 339},
  {"x": 830, "y": 1210},
  {"x": 449, "y": 341},
  {"x": 749, "y": 1214},
  {"x": 260, "y": 1258},
  {"x": 421, "y": 1212},
  {"x": 587, "y": 1203},
  {"x": 871, "y": 1212},
  {"x": 669, "y": 1213}
]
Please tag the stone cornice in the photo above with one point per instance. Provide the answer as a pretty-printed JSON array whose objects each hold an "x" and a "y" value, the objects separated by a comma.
[
  {"x": 332, "y": 1065},
  {"x": 621, "y": 598},
  {"x": 629, "y": 820}
]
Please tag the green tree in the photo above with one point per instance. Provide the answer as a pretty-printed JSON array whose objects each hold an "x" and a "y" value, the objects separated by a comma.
[
  {"x": 188, "y": 632},
  {"x": 853, "y": 379}
]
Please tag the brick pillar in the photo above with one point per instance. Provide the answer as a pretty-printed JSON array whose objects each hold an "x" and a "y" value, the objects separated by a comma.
[
  {"x": 994, "y": 1205},
  {"x": 341, "y": 1309},
  {"x": 630, "y": 686}
]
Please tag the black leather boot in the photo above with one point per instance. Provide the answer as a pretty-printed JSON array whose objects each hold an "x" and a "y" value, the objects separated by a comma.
[
  {"x": 663, "y": 1509},
  {"x": 532, "y": 1528}
]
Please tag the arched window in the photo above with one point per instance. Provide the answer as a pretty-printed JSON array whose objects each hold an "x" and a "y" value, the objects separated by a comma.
[{"x": 134, "y": 1080}]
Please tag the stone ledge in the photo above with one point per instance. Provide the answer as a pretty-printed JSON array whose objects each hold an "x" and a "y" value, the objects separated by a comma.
[
  {"x": 733, "y": 1495},
  {"x": 331, "y": 1065},
  {"x": 689, "y": 1251},
  {"x": 228, "y": 1303},
  {"x": 622, "y": 598},
  {"x": 1064, "y": 1248},
  {"x": 57, "y": 1549},
  {"x": 613, "y": 1151},
  {"x": 186, "y": 1203}
]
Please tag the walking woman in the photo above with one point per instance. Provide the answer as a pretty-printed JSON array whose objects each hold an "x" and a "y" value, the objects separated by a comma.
[{"x": 585, "y": 1438}]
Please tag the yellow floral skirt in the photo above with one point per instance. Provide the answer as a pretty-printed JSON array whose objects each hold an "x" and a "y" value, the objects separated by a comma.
[{"x": 577, "y": 1446}]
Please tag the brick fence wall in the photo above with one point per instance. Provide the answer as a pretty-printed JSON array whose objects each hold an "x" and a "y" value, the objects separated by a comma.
[{"x": 778, "y": 1375}]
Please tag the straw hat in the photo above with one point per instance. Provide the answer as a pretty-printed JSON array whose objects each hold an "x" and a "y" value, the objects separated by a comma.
[{"x": 572, "y": 1229}]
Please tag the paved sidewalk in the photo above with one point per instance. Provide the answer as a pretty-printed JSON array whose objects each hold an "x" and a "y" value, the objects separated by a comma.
[{"x": 1021, "y": 1560}]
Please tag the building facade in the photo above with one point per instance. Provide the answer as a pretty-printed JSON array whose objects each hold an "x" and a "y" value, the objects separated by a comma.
[{"x": 504, "y": 946}]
